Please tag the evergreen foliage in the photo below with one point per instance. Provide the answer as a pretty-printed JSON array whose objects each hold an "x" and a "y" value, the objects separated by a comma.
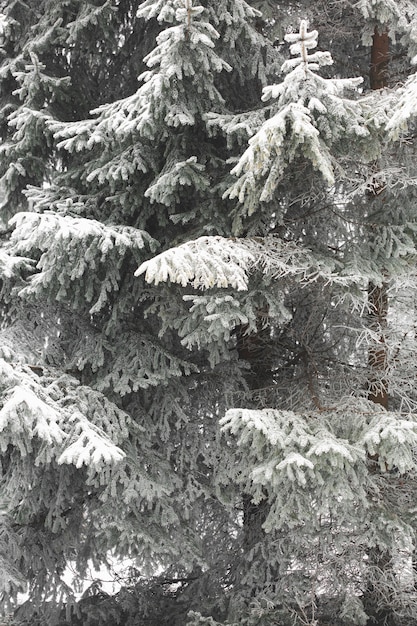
[{"x": 207, "y": 277}]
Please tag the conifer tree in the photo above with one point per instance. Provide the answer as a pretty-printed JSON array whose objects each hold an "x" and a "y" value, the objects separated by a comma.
[
  {"x": 187, "y": 269},
  {"x": 109, "y": 400},
  {"x": 339, "y": 253}
]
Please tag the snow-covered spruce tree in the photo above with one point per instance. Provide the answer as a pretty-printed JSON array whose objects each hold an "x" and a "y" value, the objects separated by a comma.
[
  {"x": 59, "y": 437},
  {"x": 112, "y": 388},
  {"x": 325, "y": 212},
  {"x": 109, "y": 425}
]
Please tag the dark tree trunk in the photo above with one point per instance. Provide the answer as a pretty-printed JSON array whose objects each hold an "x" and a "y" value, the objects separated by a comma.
[
  {"x": 378, "y": 75},
  {"x": 379, "y": 613},
  {"x": 378, "y": 294}
]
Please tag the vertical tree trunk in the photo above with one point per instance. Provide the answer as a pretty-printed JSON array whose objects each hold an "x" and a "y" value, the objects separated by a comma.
[
  {"x": 379, "y": 560},
  {"x": 378, "y": 294},
  {"x": 378, "y": 75}
]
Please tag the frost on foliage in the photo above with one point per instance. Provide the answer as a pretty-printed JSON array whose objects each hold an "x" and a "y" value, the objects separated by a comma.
[
  {"x": 404, "y": 111},
  {"x": 244, "y": 46},
  {"x": 174, "y": 176},
  {"x": 266, "y": 427},
  {"x": 352, "y": 612},
  {"x": 11, "y": 579},
  {"x": 104, "y": 415},
  {"x": 126, "y": 163},
  {"x": 162, "y": 10},
  {"x": 4, "y": 28},
  {"x": 312, "y": 119},
  {"x": 204, "y": 263},
  {"x": 24, "y": 413},
  {"x": 46, "y": 420},
  {"x": 90, "y": 16},
  {"x": 222, "y": 262},
  {"x": 392, "y": 440},
  {"x": 297, "y": 458},
  {"x": 77, "y": 136},
  {"x": 24, "y": 152},
  {"x": 396, "y": 17},
  {"x": 167, "y": 97},
  {"x": 34, "y": 82},
  {"x": 88, "y": 446},
  {"x": 237, "y": 127},
  {"x": 176, "y": 91},
  {"x": 217, "y": 314},
  {"x": 236, "y": 16},
  {"x": 208, "y": 321},
  {"x": 73, "y": 251},
  {"x": 290, "y": 130},
  {"x": 211, "y": 320},
  {"x": 140, "y": 363},
  {"x": 304, "y": 441},
  {"x": 11, "y": 266},
  {"x": 182, "y": 53},
  {"x": 301, "y": 43},
  {"x": 382, "y": 10},
  {"x": 323, "y": 453}
]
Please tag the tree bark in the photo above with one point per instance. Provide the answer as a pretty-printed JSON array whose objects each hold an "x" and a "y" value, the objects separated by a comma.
[
  {"x": 378, "y": 75},
  {"x": 377, "y": 294},
  {"x": 379, "y": 614}
]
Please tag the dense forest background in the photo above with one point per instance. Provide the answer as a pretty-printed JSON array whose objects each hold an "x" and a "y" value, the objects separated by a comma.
[{"x": 208, "y": 253}]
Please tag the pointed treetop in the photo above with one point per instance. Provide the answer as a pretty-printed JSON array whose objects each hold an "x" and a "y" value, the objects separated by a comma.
[
  {"x": 312, "y": 119},
  {"x": 171, "y": 11},
  {"x": 301, "y": 43}
]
